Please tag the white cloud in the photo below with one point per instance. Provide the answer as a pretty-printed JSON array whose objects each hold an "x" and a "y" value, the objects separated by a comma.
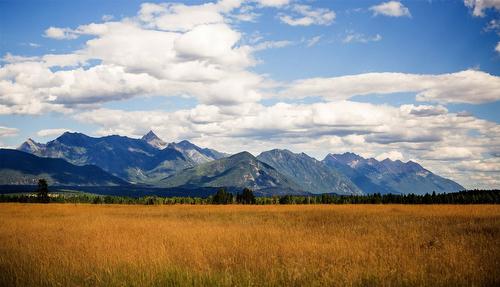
[
  {"x": 34, "y": 45},
  {"x": 147, "y": 55},
  {"x": 214, "y": 41},
  {"x": 454, "y": 153},
  {"x": 271, "y": 45},
  {"x": 107, "y": 17},
  {"x": 493, "y": 25},
  {"x": 51, "y": 132},
  {"x": 8, "y": 132},
  {"x": 272, "y": 3},
  {"x": 305, "y": 15},
  {"x": 479, "y": 6},
  {"x": 135, "y": 58},
  {"x": 352, "y": 37},
  {"x": 179, "y": 17},
  {"x": 393, "y": 155},
  {"x": 437, "y": 141},
  {"x": 391, "y": 8},
  {"x": 468, "y": 86},
  {"x": 425, "y": 110},
  {"x": 313, "y": 41},
  {"x": 69, "y": 34},
  {"x": 60, "y": 33},
  {"x": 9, "y": 58},
  {"x": 245, "y": 14}
]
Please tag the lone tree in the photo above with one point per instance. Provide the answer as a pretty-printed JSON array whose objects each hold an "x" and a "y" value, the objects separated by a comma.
[
  {"x": 42, "y": 192},
  {"x": 222, "y": 197},
  {"x": 246, "y": 197}
]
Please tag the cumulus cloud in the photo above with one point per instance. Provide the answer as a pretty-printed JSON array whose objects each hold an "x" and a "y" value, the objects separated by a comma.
[
  {"x": 438, "y": 140},
  {"x": 479, "y": 6},
  {"x": 305, "y": 15},
  {"x": 69, "y": 34},
  {"x": 493, "y": 25},
  {"x": 51, "y": 132},
  {"x": 8, "y": 132},
  {"x": 201, "y": 56},
  {"x": 449, "y": 153},
  {"x": 478, "y": 11},
  {"x": 468, "y": 86},
  {"x": 271, "y": 45},
  {"x": 150, "y": 54},
  {"x": 179, "y": 17},
  {"x": 272, "y": 3},
  {"x": 60, "y": 33},
  {"x": 107, "y": 17},
  {"x": 313, "y": 41},
  {"x": 425, "y": 110},
  {"x": 245, "y": 14},
  {"x": 9, "y": 58},
  {"x": 355, "y": 121},
  {"x": 352, "y": 37},
  {"x": 391, "y": 9},
  {"x": 393, "y": 155}
]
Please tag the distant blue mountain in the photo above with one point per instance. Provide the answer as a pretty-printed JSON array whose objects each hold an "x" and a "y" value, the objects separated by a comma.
[
  {"x": 312, "y": 175},
  {"x": 196, "y": 153},
  {"x": 153, "y": 162},
  {"x": 235, "y": 172},
  {"x": 17, "y": 167},
  {"x": 135, "y": 160},
  {"x": 388, "y": 176}
]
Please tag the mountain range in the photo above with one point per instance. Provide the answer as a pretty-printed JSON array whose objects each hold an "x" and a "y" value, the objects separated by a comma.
[
  {"x": 150, "y": 161},
  {"x": 388, "y": 176},
  {"x": 17, "y": 167}
]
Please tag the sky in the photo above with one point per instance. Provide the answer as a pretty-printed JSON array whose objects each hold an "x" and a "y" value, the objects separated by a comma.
[{"x": 407, "y": 80}]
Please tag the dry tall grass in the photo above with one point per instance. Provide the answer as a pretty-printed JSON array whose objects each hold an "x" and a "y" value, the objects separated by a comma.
[{"x": 390, "y": 245}]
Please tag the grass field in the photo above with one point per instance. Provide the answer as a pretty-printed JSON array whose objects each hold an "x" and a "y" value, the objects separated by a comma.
[{"x": 294, "y": 245}]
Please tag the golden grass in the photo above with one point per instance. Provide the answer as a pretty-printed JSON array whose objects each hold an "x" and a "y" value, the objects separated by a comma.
[{"x": 321, "y": 245}]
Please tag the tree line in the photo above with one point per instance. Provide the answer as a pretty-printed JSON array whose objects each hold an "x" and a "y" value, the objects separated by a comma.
[{"x": 247, "y": 196}]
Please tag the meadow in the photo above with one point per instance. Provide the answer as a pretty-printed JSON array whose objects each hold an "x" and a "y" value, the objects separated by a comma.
[{"x": 236, "y": 245}]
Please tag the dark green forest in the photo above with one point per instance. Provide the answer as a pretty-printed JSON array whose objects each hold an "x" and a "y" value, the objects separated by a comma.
[{"x": 246, "y": 196}]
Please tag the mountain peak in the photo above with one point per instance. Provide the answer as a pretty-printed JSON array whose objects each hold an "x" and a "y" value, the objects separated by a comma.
[
  {"x": 71, "y": 135},
  {"x": 31, "y": 141},
  {"x": 30, "y": 146},
  {"x": 187, "y": 144},
  {"x": 152, "y": 139},
  {"x": 243, "y": 154},
  {"x": 285, "y": 153},
  {"x": 75, "y": 139},
  {"x": 312, "y": 175},
  {"x": 196, "y": 153},
  {"x": 278, "y": 151},
  {"x": 150, "y": 136},
  {"x": 346, "y": 158}
]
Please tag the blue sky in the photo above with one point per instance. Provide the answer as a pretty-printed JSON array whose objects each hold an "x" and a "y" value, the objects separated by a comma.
[{"x": 401, "y": 79}]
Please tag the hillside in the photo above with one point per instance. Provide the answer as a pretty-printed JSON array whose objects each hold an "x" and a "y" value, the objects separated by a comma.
[
  {"x": 135, "y": 160},
  {"x": 17, "y": 167},
  {"x": 235, "y": 172},
  {"x": 312, "y": 175},
  {"x": 388, "y": 176}
]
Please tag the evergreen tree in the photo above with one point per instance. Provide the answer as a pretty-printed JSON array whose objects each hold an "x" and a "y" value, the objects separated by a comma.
[
  {"x": 246, "y": 197},
  {"x": 42, "y": 192},
  {"x": 222, "y": 197}
]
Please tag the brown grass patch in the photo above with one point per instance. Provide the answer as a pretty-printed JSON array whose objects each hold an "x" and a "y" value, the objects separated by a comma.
[{"x": 320, "y": 245}]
